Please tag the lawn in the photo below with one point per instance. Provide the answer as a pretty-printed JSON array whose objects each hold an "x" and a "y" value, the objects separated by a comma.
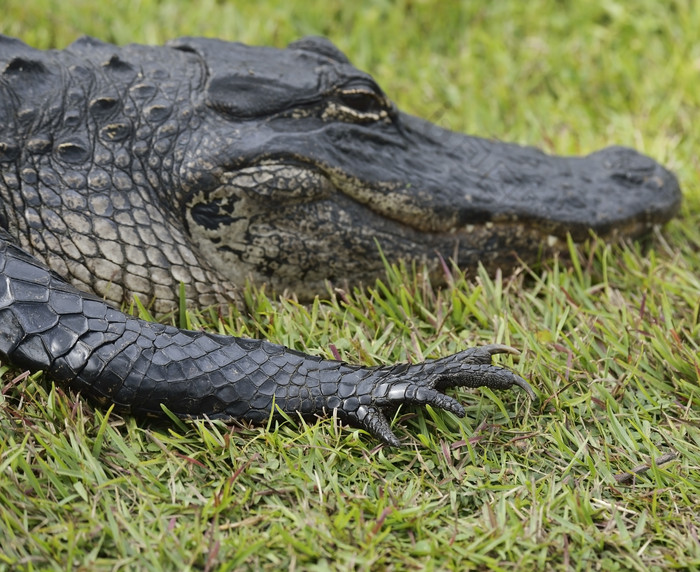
[{"x": 601, "y": 473}]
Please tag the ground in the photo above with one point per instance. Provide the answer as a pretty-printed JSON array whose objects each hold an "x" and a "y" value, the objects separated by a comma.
[{"x": 610, "y": 339}]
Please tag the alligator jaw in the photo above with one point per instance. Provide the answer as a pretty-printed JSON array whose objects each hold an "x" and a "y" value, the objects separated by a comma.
[
  {"x": 457, "y": 181},
  {"x": 295, "y": 224}
]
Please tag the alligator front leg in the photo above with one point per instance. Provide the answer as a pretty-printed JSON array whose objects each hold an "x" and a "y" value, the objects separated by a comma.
[{"x": 78, "y": 339}]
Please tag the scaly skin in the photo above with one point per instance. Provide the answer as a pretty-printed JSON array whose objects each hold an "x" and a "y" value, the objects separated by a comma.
[{"x": 141, "y": 366}]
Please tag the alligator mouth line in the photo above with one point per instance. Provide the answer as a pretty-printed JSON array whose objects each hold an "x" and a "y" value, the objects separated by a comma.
[
  {"x": 385, "y": 199},
  {"x": 381, "y": 198}
]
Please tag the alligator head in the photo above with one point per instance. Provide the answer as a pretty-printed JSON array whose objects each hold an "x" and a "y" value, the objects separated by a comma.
[
  {"x": 129, "y": 170},
  {"x": 313, "y": 167}
]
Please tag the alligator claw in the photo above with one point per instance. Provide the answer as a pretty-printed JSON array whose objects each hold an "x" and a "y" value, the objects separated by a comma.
[
  {"x": 375, "y": 423},
  {"x": 424, "y": 384}
]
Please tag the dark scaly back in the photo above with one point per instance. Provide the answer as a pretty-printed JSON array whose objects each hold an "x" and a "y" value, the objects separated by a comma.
[{"x": 91, "y": 139}]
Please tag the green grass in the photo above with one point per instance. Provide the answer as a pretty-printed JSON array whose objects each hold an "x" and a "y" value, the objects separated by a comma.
[{"x": 611, "y": 339}]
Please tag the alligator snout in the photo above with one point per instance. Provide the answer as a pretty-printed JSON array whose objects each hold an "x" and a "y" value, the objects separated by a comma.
[
  {"x": 636, "y": 189},
  {"x": 612, "y": 191}
]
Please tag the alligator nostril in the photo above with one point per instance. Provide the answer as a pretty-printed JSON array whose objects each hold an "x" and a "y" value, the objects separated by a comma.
[
  {"x": 628, "y": 178},
  {"x": 625, "y": 161}
]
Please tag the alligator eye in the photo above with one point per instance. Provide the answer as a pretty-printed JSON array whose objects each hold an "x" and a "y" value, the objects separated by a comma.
[{"x": 362, "y": 101}]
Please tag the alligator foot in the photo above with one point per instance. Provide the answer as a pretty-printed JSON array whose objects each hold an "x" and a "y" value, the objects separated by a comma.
[{"x": 424, "y": 383}]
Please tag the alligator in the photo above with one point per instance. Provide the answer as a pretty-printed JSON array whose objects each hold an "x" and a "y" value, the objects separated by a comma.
[{"x": 129, "y": 171}]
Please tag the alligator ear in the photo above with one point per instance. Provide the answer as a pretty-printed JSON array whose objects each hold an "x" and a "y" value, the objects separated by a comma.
[
  {"x": 253, "y": 82},
  {"x": 321, "y": 46}
]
